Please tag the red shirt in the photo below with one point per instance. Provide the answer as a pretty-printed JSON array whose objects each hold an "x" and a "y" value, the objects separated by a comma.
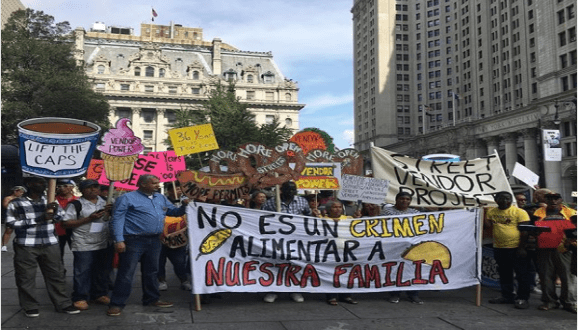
[
  {"x": 552, "y": 239},
  {"x": 63, "y": 203}
]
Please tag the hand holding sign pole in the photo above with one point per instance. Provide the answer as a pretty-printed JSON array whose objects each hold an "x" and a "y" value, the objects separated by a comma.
[{"x": 119, "y": 151}]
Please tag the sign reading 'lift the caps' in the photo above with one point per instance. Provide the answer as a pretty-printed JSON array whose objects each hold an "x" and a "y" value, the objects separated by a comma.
[{"x": 193, "y": 139}]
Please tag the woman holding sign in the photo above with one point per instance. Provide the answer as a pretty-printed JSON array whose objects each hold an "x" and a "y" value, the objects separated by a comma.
[{"x": 334, "y": 211}]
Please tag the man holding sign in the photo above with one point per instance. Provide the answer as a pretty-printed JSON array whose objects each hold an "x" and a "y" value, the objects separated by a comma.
[{"x": 137, "y": 222}]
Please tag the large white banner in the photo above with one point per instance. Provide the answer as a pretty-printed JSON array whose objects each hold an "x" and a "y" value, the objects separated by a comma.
[
  {"x": 243, "y": 250},
  {"x": 467, "y": 183}
]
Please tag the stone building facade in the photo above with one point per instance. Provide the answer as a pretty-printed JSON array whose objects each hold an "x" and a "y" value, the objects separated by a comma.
[
  {"x": 170, "y": 67},
  {"x": 466, "y": 77}
]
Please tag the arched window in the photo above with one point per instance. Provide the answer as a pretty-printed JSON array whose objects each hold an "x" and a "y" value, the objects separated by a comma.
[
  {"x": 288, "y": 97},
  {"x": 195, "y": 75},
  {"x": 137, "y": 71},
  {"x": 250, "y": 78},
  {"x": 100, "y": 69},
  {"x": 149, "y": 71},
  {"x": 288, "y": 122},
  {"x": 161, "y": 73}
]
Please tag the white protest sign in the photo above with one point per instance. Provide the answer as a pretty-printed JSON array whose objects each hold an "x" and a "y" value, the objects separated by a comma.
[
  {"x": 243, "y": 250},
  {"x": 368, "y": 190},
  {"x": 465, "y": 183},
  {"x": 56, "y": 157},
  {"x": 525, "y": 175}
]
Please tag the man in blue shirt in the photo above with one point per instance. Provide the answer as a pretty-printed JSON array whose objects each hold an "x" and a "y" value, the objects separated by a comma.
[{"x": 137, "y": 221}]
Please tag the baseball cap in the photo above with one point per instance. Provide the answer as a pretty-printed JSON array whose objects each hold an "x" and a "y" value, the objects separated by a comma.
[
  {"x": 88, "y": 183},
  {"x": 62, "y": 182}
]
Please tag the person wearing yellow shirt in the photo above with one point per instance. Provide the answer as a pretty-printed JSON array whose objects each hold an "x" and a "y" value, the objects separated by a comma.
[{"x": 509, "y": 252}]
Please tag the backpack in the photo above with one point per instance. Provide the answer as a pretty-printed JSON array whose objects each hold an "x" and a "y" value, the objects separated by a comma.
[{"x": 78, "y": 206}]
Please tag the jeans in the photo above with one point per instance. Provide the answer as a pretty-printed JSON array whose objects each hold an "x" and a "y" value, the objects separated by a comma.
[
  {"x": 178, "y": 258},
  {"x": 552, "y": 264},
  {"x": 508, "y": 262},
  {"x": 138, "y": 248},
  {"x": 91, "y": 273},
  {"x": 47, "y": 257}
]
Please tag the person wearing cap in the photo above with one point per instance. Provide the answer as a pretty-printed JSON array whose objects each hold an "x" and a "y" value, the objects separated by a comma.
[
  {"x": 36, "y": 246},
  {"x": 64, "y": 195},
  {"x": 554, "y": 260},
  {"x": 91, "y": 245},
  {"x": 17, "y": 191},
  {"x": 402, "y": 202},
  {"x": 509, "y": 250}
]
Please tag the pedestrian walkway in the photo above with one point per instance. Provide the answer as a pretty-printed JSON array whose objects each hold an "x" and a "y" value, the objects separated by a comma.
[{"x": 453, "y": 309}]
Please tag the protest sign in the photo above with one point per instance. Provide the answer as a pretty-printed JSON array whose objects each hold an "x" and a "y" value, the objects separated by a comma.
[
  {"x": 368, "y": 190},
  {"x": 525, "y": 175},
  {"x": 56, "y": 147},
  {"x": 95, "y": 169},
  {"x": 199, "y": 185},
  {"x": 165, "y": 165},
  {"x": 193, "y": 139},
  {"x": 320, "y": 176},
  {"x": 244, "y": 250},
  {"x": 440, "y": 184},
  {"x": 313, "y": 138},
  {"x": 350, "y": 159}
]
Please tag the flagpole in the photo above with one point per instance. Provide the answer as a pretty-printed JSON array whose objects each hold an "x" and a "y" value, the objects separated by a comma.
[{"x": 454, "y": 109}]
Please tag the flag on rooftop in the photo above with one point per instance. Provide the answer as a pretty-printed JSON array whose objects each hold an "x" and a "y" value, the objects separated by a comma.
[{"x": 153, "y": 15}]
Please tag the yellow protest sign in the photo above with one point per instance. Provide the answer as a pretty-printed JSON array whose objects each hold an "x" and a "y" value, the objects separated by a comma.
[{"x": 193, "y": 139}]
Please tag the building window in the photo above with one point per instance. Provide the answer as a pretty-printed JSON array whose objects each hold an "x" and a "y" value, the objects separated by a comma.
[
  {"x": 125, "y": 87},
  {"x": 561, "y": 17},
  {"x": 268, "y": 78},
  {"x": 149, "y": 88},
  {"x": 137, "y": 71},
  {"x": 196, "y": 90},
  {"x": 288, "y": 122},
  {"x": 149, "y": 72},
  {"x": 170, "y": 115},
  {"x": 288, "y": 97},
  {"x": 147, "y": 150},
  {"x": 161, "y": 73},
  {"x": 250, "y": 78},
  {"x": 564, "y": 60},
  {"x": 148, "y": 115},
  {"x": 562, "y": 37},
  {"x": 172, "y": 89},
  {"x": 270, "y": 96},
  {"x": 565, "y": 85},
  {"x": 101, "y": 69},
  {"x": 250, "y": 95},
  {"x": 100, "y": 85},
  {"x": 124, "y": 113},
  {"x": 147, "y": 134},
  {"x": 195, "y": 75},
  {"x": 269, "y": 119}
]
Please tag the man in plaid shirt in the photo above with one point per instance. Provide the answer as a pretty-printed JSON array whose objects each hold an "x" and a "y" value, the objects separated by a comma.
[{"x": 36, "y": 243}]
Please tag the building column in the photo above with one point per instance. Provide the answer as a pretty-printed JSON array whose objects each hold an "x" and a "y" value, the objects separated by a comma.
[
  {"x": 531, "y": 149},
  {"x": 159, "y": 129},
  {"x": 492, "y": 144},
  {"x": 480, "y": 149},
  {"x": 135, "y": 119},
  {"x": 511, "y": 154}
]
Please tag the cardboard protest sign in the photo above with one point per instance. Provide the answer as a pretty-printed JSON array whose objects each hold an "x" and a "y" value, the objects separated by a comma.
[
  {"x": 95, "y": 169},
  {"x": 164, "y": 165},
  {"x": 320, "y": 176},
  {"x": 440, "y": 184},
  {"x": 310, "y": 140},
  {"x": 56, "y": 147},
  {"x": 243, "y": 250},
  {"x": 350, "y": 159},
  {"x": 368, "y": 190},
  {"x": 525, "y": 175},
  {"x": 120, "y": 150},
  {"x": 198, "y": 185},
  {"x": 193, "y": 139}
]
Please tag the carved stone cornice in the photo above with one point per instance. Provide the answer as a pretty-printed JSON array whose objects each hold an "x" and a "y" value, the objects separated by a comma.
[
  {"x": 510, "y": 137},
  {"x": 529, "y": 133}
]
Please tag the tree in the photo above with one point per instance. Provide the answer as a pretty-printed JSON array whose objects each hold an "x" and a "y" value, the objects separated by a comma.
[
  {"x": 40, "y": 76},
  {"x": 233, "y": 124}
]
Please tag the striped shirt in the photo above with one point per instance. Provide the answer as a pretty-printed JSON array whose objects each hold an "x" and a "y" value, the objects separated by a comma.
[
  {"x": 298, "y": 205},
  {"x": 26, "y": 217}
]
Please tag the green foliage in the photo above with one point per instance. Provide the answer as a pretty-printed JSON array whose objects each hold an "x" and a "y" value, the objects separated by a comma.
[
  {"x": 233, "y": 124},
  {"x": 327, "y": 138},
  {"x": 40, "y": 77}
]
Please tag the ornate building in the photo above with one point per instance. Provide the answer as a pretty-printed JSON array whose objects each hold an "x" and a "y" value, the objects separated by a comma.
[
  {"x": 146, "y": 78},
  {"x": 467, "y": 77}
]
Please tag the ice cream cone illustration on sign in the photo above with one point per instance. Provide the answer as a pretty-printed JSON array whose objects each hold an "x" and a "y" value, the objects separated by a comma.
[{"x": 120, "y": 150}]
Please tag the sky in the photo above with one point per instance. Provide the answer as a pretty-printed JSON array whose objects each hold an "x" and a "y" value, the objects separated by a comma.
[{"x": 311, "y": 42}]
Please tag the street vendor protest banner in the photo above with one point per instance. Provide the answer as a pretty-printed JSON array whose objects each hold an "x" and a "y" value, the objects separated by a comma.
[
  {"x": 322, "y": 176},
  {"x": 243, "y": 250},
  {"x": 359, "y": 188},
  {"x": 467, "y": 183}
]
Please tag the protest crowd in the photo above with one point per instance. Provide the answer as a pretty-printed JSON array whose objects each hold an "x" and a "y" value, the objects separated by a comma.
[{"x": 343, "y": 216}]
